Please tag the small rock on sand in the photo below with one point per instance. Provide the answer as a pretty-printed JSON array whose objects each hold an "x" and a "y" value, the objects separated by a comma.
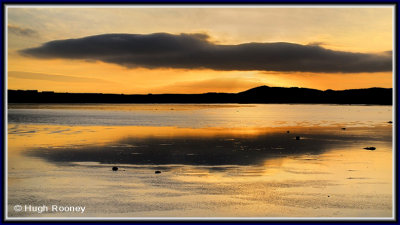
[
  {"x": 115, "y": 168},
  {"x": 370, "y": 148},
  {"x": 297, "y": 137},
  {"x": 157, "y": 171}
]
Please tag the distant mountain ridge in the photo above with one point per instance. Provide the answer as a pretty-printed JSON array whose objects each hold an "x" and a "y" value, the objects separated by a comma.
[
  {"x": 306, "y": 95},
  {"x": 262, "y": 94}
]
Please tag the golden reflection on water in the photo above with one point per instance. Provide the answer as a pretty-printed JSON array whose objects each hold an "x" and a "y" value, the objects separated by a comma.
[
  {"x": 56, "y": 135},
  {"x": 334, "y": 176}
]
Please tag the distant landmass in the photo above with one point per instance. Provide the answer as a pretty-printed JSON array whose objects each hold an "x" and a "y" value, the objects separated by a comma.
[{"x": 262, "y": 94}]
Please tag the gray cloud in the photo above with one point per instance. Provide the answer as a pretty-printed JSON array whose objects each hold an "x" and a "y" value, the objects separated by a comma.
[
  {"x": 317, "y": 43},
  {"x": 162, "y": 50},
  {"x": 21, "y": 31},
  {"x": 52, "y": 77}
]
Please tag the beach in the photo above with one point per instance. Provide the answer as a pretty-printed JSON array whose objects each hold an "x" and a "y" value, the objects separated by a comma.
[{"x": 215, "y": 160}]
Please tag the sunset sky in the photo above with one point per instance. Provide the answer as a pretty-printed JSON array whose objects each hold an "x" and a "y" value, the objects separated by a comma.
[{"x": 196, "y": 50}]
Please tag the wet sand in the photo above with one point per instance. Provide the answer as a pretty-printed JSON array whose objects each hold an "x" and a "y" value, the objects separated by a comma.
[{"x": 205, "y": 172}]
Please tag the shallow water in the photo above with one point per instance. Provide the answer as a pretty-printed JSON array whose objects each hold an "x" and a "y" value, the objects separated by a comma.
[
  {"x": 216, "y": 160},
  {"x": 201, "y": 115}
]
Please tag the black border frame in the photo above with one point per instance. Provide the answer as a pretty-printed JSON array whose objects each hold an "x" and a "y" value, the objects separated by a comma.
[{"x": 208, "y": 2}]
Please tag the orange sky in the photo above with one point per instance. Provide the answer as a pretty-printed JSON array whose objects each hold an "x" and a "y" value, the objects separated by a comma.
[{"x": 355, "y": 30}]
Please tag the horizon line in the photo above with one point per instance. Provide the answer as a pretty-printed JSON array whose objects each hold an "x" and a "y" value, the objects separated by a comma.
[{"x": 211, "y": 92}]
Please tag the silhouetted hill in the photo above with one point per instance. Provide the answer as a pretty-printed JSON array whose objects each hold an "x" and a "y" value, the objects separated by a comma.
[
  {"x": 265, "y": 94},
  {"x": 262, "y": 94}
]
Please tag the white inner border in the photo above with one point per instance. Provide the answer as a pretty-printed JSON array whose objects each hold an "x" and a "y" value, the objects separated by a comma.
[{"x": 394, "y": 135}]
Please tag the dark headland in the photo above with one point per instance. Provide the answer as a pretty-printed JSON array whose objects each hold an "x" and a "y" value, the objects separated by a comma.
[{"x": 262, "y": 94}]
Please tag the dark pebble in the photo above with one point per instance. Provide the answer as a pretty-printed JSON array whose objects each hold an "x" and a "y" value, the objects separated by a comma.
[
  {"x": 370, "y": 148},
  {"x": 157, "y": 171},
  {"x": 115, "y": 168},
  {"x": 390, "y": 122},
  {"x": 344, "y": 128},
  {"x": 297, "y": 137},
  {"x": 287, "y": 131}
]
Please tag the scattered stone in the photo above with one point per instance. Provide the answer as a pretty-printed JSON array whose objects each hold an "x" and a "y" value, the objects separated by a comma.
[
  {"x": 157, "y": 171},
  {"x": 329, "y": 196},
  {"x": 297, "y": 137},
  {"x": 287, "y": 131},
  {"x": 390, "y": 122},
  {"x": 343, "y": 128},
  {"x": 115, "y": 168},
  {"x": 370, "y": 148}
]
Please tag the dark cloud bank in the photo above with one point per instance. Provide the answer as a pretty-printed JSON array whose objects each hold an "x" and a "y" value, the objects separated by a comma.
[{"x": 162, "y": 50}]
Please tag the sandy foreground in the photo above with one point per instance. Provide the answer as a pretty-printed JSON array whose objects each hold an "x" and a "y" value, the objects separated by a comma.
[{"x": 56, "y": 171}]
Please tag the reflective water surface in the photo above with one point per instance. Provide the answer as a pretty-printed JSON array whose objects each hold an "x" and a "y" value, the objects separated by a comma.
[{"x": 215, "y": 160}]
